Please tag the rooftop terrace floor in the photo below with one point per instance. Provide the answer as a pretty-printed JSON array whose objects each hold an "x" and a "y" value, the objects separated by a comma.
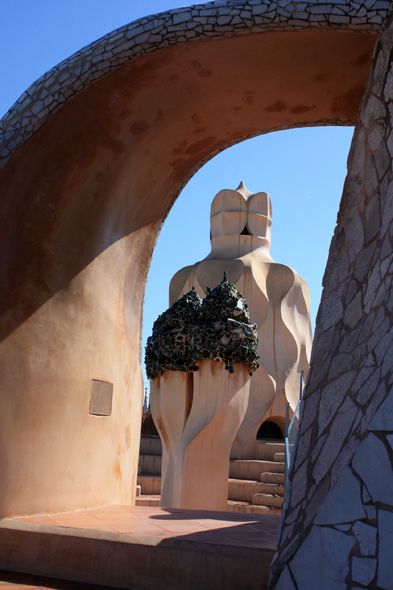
[{"x": 141, "y": 547}]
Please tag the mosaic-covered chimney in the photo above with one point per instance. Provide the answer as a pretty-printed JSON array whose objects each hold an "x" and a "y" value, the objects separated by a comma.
[{"x": 199, "y": 359}]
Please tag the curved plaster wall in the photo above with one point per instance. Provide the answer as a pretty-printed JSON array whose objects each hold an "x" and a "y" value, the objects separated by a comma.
[{"x": 94, "y": 155}]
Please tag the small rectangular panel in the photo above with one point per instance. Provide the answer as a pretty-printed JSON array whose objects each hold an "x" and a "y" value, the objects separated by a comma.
[{"x": 101, "y": 398}]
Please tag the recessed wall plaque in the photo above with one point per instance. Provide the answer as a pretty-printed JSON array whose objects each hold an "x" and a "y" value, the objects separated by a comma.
[{"x": 101, "y": 398}]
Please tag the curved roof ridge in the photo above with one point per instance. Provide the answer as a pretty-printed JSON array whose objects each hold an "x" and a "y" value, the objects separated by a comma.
[{"x": 197, "y": 22}]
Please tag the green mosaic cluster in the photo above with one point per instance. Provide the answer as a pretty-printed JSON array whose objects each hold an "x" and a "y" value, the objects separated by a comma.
[{"x": 216, "y": 328}]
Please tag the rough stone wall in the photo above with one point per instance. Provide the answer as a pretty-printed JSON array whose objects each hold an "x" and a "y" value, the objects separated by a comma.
[
  {"x": 337, "y": 527},
  {"x": 213, "y": 20}
]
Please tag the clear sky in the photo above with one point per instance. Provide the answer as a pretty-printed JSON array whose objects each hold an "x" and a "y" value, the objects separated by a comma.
[{"x": 303, "y": 170}]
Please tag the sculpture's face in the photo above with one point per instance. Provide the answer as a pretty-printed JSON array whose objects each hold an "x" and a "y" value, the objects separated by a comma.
[{"x": 233, "y": 214}]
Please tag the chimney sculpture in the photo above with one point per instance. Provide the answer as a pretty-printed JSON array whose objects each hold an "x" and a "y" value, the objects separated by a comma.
[
  {"x": 199, "y": 360},
  {"x": 278, "y": 299}
]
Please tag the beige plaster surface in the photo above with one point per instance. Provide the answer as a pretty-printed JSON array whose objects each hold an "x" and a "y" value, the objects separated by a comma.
[
  {"x": 278, "y": 300},
  {"x": 197, "y": 416},
  {"x": 82, "y": 202}
]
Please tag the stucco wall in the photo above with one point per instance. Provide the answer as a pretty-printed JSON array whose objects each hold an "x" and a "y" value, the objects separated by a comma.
[{"x": 337, "y": 526}]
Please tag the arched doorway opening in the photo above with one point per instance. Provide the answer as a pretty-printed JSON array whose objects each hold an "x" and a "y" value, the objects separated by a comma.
[
  {"x": 305, "y": 200},
  {"x": 269, "y": 429}
]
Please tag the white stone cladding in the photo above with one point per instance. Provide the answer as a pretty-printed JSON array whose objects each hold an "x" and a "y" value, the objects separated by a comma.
[
  {"x": 195, "y": 23},
  {"x": 336, "y": 530}
]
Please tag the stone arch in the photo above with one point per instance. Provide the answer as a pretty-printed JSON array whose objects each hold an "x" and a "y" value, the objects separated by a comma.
[{"x": 93, "y": 156}]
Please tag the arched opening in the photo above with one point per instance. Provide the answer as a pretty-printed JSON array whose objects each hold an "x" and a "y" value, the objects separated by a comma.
[
  {"x": 269, "y": 429},
  {"x": 305, "y": 200}
]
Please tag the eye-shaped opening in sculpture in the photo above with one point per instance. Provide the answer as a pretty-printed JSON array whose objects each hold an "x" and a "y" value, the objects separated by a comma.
[{"x": 245, "y": 232}]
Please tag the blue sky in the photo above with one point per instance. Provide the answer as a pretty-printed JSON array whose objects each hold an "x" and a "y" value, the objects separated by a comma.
[{"x": 303, "y": 170}]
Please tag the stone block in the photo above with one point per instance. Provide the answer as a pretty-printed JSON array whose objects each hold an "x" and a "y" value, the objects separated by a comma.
[
  {"x": 343, "y": 502},
  {"x": 354, "y": 311},
  {"x": 368, "y": 389},
  {"x": 383, "y": 419},
  {"x": 303, "y": 447},
  {"x": 387, "y": 360},
  {"x": 372, "y": 463},
  {"x": 331, "y": 398},
  {"x": 375, "y": 137},
  {"x": 388, "y": 90},
  {"x": 382, "y": 159},
  {"x": 363, "y": 262},
  {"x": 181, "y": 17},
  {"x": 381, "y": 312},
  {"x": 363, "y": 569},
  {"x": 317, "y": 448},
  {"x": 365, "y": 495},
  {"x": 363, "y": 375},
  {"x": 373, "y": 111},
  {"x": 367, "y": 537},
  {"x": 346, "y": 454},
  {"x": 256, "y": 10},
  {"x": 335, "y": 18},
  {"x": 346, "y": 416},
  {"x": 332, "y": 308},
  {"x": 385, "y": 561},
  {"x": 224, "y": 20},
  {"x": 326, "y": 552},
  {"x": 378, "y": 335},
  {"x": 371, "y": 181},
  {"x": 355, "y": 237},
  {"x": 310, "y": 409},
  {"x": 298, "y": 488},
  {"x": 315, "y": 498},
  {"x": 326, "y": 9},
  {"x": 376, "y": 400},
  {"x": 371, "y": 512},
  {"x": 387, "y": 212},
  {"x": 285, "y": 581}
]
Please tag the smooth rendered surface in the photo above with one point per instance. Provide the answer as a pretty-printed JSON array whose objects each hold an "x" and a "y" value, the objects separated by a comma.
[
  {"x": 278, "y": 301},
  {"x": 197, "y": 416}
]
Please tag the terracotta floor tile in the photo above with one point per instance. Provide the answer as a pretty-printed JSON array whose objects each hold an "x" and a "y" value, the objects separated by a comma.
[
  {"x": 196, "y": 525},
  {"x": 111, "y": 521},
  {"x": 69, "y": 515},
  {"x": 113, "y": 513},
  {"x": 107, "y": 510}
]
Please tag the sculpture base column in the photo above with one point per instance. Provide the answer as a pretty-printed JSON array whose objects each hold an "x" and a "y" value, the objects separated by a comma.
[
  {"x": 197, "y": 416},
  {"x": 219, "y": 404},
  {"x": 171, "y": 398}
]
